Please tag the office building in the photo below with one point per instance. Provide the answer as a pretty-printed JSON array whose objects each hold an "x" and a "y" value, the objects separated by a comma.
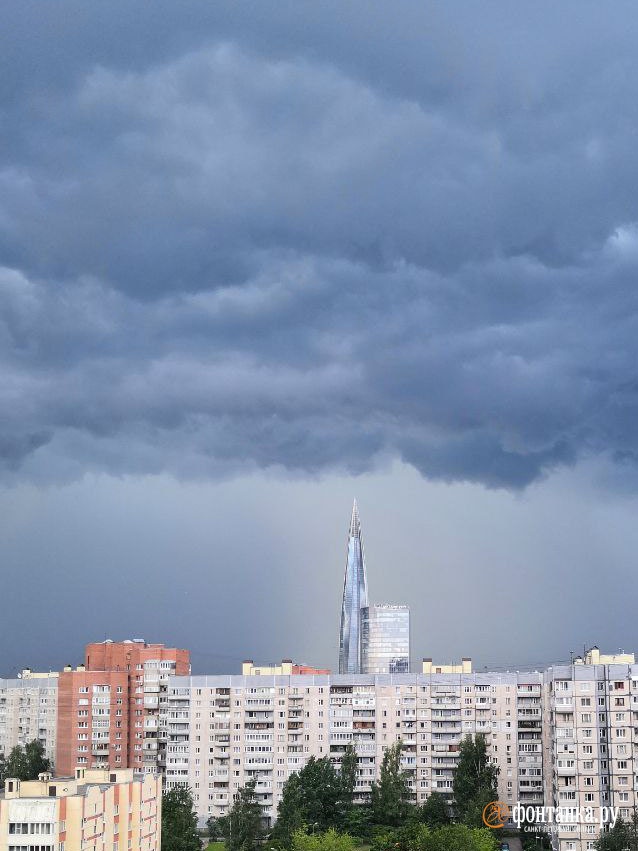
[
  {"x": 93, "y": 810},
  {"x": 385, "y": 639}
]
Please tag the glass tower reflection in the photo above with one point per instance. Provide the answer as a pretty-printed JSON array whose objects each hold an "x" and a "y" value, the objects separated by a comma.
[
  {"x": 385, "y": 639},
  {"x": 355, "y": 599}
]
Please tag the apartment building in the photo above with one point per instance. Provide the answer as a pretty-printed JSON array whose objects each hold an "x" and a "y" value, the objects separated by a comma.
[
  {"x": 108, "y": 708},
  {"x": 94, "y": 810},
  {"x": 287, "y": 666},
  {"x": 592, "y": 739},
  {"x": 219, "y": 732},
  {"x": 28, "y": 711}
]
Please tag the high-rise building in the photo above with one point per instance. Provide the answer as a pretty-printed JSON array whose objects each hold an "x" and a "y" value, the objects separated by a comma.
[
  {"x": 28, "y": 711},
  {"x": 385, "y": 639},
  {"x": 355, "y": 599},
  {"x": 100, "y": 808},
  {"x": 591, "y": 712},
  {"x": 223, "y": 731},
  {"x": 108, "y": 707}
]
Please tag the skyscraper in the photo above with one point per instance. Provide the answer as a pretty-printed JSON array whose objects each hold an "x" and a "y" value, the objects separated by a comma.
[
  {"x": 355, "y": 598},
  {"x": 385, "y": 639}
]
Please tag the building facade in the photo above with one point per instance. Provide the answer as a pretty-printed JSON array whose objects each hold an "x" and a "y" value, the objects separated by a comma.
[
  {"x": 592, "y": 742},
  {"x": 249, "y": 669},
  {"x": 94, "y": 810},
  {"x": 108, "y": 708},
  {"x": 219, "y": 732},
  {"x": 28, "y": 711},
  {"x": 385, "y": 639}
]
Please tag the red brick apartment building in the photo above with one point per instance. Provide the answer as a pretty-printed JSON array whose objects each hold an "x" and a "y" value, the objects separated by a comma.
[{"x": 108, "y": 708}]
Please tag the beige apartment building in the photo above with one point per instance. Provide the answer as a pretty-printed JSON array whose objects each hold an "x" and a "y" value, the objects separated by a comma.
[
  {"x": 218, "y": 732},
  {"x": 28, "y": 711},
  {"x": 96, "y": 810},
  {"x": 592, "y": 740}
]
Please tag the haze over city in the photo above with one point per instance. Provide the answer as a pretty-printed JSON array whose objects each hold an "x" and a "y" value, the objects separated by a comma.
[{"x": 255, "y": 262}]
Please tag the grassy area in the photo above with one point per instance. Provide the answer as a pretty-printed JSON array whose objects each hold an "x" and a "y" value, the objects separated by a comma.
[{"x": 215, "y": 846}]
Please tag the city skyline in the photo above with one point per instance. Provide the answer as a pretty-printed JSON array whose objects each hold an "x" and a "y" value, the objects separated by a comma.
[
  {"x": 373, "y": 637},
  {"x": 308, "y": 639},
  {"x": 561, "y": 738}
]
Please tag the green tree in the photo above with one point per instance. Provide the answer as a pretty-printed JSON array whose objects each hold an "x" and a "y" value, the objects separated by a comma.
[
  {"x": 475, "y": 781},
  {"x": 459, "y": 837},
  {"x": 328, "y": 841},
  {"x": 412, "y": 837},
  {"x": 435, "y": 812},
  {"x": 37, "y": 763},
  {"x": 290, "y": 811},
  {"x": 348, "y": 775},
  {"x": 25, "y": 763},
  {"x": 242, "y": 827},
  {"x": 623, "y": 836},
  {"x": 17, "y": 764},
  {"x": 352, "y": 819},
  {"x": 311, "y": 798},
  {"x": 179, "y": 821},
  {"x": 3, "y": 771},
  {"x": 356, "y": 821},
  {"x": 453, "y": 837},
  {"x": 215, "y": 828},
  {"x": 390, "y": 797}
]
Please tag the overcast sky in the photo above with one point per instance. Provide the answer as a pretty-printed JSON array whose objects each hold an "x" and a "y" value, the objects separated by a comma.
[{"x": 258, "y": 259}]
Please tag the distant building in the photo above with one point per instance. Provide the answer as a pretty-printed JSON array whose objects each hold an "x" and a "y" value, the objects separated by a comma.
[
  {"x": 287, "y": 667},
  {"x": 355, "y": 599},
  {"x": 28, "y": 711},
  {"x": 108, "y": 708},
  {"x": 28, "y": 674},
  {"x": 372, "y": 639},
  {"x": 385, "y": 639},
  {"x": 595, "y": 657},
  {"x": 464, "y": 667},
  {"x": 92, "y": 810}
]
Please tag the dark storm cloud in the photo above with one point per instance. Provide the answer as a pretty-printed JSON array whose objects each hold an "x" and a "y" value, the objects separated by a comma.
[{"x": 317, "y": 237}]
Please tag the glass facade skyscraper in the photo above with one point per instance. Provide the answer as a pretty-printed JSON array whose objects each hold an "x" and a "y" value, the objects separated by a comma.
[
  {"x": 385, "y": 639},
  {"x": 355, "y": 599}
]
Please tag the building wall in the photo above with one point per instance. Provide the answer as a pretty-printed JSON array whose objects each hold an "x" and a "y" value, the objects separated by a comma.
[
  {"x": 103, "y": 810},
  {"x": 219, "y": 732},
  {"x": 28, "y": 711},
  {"x": 592, "y": 735},
  {"x": 93, "y": 720},
  {"x": 114, "y": 697},
  {"x": 128, "y": 655},
  {"x": 249, "y": 669}
]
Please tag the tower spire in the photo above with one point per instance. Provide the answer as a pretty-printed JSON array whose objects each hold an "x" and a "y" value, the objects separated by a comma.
[
  {"x": 355, "y": 525},
  {"x": 355, "y": 599}
]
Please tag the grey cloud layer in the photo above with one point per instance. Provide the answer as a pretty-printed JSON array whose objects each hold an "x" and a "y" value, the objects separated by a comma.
[{"x": 250, "y": 247}]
